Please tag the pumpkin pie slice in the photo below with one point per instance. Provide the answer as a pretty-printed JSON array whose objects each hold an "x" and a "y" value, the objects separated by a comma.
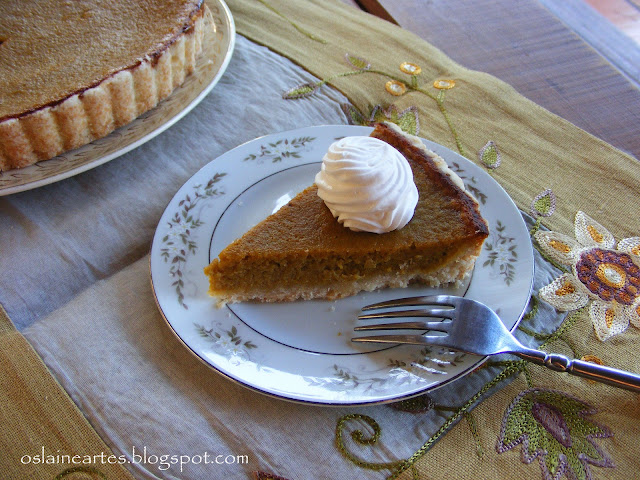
[
  {"x": 302, "y": 252},
  {"x": 73, "y": 71}
]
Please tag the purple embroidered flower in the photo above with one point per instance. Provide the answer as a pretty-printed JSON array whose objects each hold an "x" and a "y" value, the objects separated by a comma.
[
  {"x": 609, "y": 274},
  {"x": 603, "y": 275},
  {"x": 552, "y": 420},
  {"x": 553, "y": 427}
]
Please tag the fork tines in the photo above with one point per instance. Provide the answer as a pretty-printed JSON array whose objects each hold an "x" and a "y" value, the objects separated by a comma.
[
  {"x": 433, "y": 306},
  {"x": 436, "y": 326},
  {"x": 442, "y": 300}
]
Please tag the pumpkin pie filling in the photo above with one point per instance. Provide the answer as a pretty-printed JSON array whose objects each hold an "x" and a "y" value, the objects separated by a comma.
[{"x": 302, "y": 252}]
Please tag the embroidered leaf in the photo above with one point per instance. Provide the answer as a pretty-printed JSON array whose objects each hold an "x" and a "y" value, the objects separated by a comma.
[
  {"x": 554, "y": 428},
  {"x": 301, "y": 91},
  {"x": 354, "y": 115},
  {"x": 544, "y": 204},
  {"x": 489, "y": 155},
  {"x": 357, "y": 62},
  {"x": 267, "y": 476},
  {"x": 419, "y": 404},
  {"x": 406, "y": 119}
]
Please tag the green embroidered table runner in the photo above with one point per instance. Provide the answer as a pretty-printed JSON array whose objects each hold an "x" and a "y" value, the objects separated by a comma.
[
  {"x": 43, "y": 432},
  {"x": 360, "y": 55},
  {"x": 552, "y": 170},
  {"x": 527, "y": 422}
]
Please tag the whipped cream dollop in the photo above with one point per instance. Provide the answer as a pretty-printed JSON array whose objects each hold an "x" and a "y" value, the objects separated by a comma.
[{"x": 367, "y": 185}]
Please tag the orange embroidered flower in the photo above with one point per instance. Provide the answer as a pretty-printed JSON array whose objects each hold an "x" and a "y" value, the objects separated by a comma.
[
  {"x": 592, "y": 359},
  {"x": 395, "y": 87},
  {"x": 410, "y": 68},
  {"x": 444, "y": 84},
  {"x": 604, "y": 276}
]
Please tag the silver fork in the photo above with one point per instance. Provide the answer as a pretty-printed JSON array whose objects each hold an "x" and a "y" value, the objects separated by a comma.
[{"x": 472, "y": 327}]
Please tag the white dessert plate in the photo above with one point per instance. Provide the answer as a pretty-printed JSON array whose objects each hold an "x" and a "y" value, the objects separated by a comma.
[
  {"x": 301, "y": 351},
  {"x": 210, "y": 66}
]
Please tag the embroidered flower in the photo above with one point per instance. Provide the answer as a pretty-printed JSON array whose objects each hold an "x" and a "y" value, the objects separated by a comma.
[
  {"x": 444, "y": 84},
  {"x": 605, "y": 277},
  {"x": 395, "y": 87},
  {"x": 410, "y": 68},
  {"x": 553, "y": 427},
  {"x": 592, "y": 359}
]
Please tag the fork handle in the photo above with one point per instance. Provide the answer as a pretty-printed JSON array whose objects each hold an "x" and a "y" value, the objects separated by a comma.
[{"x": 592, "y": 371}]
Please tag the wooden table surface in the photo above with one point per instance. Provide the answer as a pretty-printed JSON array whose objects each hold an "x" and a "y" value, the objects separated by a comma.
[{"x": 528, "y": 47}]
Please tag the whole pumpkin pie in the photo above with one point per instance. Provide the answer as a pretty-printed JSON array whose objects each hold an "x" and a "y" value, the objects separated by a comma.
[
  {"x": 302, "y": 251},
  {"x": 73, "y": 71}
]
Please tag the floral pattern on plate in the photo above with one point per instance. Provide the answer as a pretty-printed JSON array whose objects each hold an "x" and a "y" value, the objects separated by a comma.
[{"x": 301, "y": 350}]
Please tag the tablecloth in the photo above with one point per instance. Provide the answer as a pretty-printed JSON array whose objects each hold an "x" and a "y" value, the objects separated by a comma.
[{"x": 75, "y": 284}]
